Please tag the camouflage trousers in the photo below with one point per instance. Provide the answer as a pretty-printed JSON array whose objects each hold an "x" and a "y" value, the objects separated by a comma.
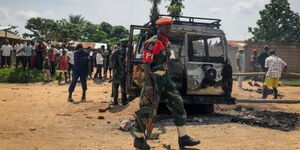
[
  {"x": 118, "y": 80},
  {"x": 169, "y": 95}
]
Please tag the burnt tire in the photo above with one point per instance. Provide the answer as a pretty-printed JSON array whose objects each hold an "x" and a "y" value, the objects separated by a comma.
[
  {"x": 191, "y": 109},
  {"x": 194, "y": 109}
]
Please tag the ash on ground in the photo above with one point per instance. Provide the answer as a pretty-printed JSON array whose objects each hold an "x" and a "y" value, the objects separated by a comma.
[{"x": 253, "y": 116}]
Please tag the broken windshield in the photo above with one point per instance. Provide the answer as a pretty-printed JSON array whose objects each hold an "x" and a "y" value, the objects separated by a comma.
[{"x": 203, "y": 48}]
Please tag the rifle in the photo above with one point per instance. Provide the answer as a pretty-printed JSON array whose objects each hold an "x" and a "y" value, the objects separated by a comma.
[{"x": 155, "y": 103}]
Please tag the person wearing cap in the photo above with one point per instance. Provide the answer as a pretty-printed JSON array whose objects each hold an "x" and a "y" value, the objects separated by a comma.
[
  {"x": 80, "y": 70},
  {"x": 262, "y": 58},
  {"x": 119, "y": 73},
  {"x": 254, "y": 68},
  {"x": 156, "y": 65},
  {"x": 240, "y": 61},
  {"x": 274, "y": 65}
]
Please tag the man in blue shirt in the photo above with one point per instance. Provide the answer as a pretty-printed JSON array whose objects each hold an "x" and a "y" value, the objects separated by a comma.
[{"x": 80, "y": 70}]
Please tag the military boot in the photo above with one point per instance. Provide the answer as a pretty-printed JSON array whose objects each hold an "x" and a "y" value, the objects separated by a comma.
[
  {"x": 275, "y": 91},
  {"x": 141, "y": 144},
  {"x": 187, "y": 141}
]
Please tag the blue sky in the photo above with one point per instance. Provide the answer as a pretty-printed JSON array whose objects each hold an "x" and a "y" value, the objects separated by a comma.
[{"x": 236, "y": 15}]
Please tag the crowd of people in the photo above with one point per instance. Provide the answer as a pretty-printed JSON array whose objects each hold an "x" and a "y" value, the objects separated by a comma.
[
  {"x": 68, "y": 63},
  {"x": 267, "y": 61},
  {"x": 52, "y": 58}
]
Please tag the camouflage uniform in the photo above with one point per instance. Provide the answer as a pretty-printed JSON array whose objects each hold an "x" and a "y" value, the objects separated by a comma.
[
  {"x": 119, "y": 75},
  {"x": 166, "y": 90}
]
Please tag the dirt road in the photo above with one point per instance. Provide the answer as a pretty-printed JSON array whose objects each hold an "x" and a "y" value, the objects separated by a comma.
[{"x": 38, "y": 117}]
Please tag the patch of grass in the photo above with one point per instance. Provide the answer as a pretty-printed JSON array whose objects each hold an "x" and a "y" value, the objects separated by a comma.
[
  {"x": 13, "y": 75},
  {"x": 294, "y": 82}
]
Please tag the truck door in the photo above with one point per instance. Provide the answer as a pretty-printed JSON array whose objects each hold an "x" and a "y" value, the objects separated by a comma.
[
  {"x": 134, "y": 74},
  {"x": 204, "y": 64}
]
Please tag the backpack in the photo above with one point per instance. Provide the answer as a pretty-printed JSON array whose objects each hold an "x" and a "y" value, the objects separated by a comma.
[{"x": 113, "y": 62}]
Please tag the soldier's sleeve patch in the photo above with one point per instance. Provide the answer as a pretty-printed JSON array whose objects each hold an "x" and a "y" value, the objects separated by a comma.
[{"x": 148, "y": 56}]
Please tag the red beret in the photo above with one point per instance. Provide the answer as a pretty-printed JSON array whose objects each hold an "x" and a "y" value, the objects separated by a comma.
[{"x": 164, "y": 21}]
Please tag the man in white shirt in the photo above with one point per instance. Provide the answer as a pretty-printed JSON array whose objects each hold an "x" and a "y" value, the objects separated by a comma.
[
  {"x": 55, "y": 50},
  {"x": 274, "y": 64},
  {"x": 99, "y": 63},
  {"x": 63, "y": 48},
  {"x": 28, "y": 51},
  {"x": 6, "y": 54},
  {"x": 70, "y": 56},
  {"x": 91, "y": 62},
  {"x": 19, "y": 49},
  {"x": 240, "y": 60}
]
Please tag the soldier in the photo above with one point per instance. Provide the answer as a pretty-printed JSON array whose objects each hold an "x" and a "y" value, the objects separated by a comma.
[
  {"x": 119, "y": 72},
  {"x": 80, "y": 70},
  {"x": 156, "y": 59}
]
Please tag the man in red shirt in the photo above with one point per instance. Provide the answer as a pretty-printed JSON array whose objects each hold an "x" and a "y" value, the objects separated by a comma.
[{"x": 156, "y": 65}]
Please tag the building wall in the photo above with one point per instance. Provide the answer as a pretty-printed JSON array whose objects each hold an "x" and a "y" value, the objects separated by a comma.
[{"x": 287, "y": 51}]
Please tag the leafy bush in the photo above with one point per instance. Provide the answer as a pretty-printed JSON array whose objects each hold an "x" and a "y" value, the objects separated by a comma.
[{"x": 12, "y": 75}]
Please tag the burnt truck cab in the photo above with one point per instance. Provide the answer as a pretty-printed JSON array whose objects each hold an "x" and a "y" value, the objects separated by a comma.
[{"x": 199, "y": 63}]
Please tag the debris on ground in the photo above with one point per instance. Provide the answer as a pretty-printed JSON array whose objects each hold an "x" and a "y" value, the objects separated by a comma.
[
  {"x": 275, "y": 120},
  {"x": 127, "y": 124},
  {"x": 154, "y": 136},
  {"x": 32, "y": 129},
  {"x": 63, "y": 114},
  {"x": 162, "y": 130},
  {"x": 102, "y": 110},
  {"x": 101, "y": 117},
  {"x": 167, "y": 146}
]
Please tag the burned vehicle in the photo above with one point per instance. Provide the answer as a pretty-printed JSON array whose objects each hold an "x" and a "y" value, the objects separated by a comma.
[{"x": 199, "y": 63}]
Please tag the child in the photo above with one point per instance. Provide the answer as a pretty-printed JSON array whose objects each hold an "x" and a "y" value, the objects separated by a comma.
[
  {"x": 47, "y": 70},
  {"x": 63, "y": 66},
  {"x": 99, "y": 62}
]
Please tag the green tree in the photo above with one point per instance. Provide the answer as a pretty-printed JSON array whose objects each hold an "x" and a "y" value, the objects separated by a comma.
[
  {"x": 175, "y": 7},
  {"x": 119, "y": 32},
  {"x": 277, "y": 23},
  {"x": 76, "y": 19},
  {"x": 92, "y": 33},
  {"x": 154, "y": 11},
  {"x": 42, "y": 29},
  {"x": 106, "y": 27},
  {"x": 70, "y": 31},
  {"x": 75, "y": 29}
]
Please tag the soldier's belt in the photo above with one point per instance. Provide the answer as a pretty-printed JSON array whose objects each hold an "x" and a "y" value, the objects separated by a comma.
[{"x": 160, "y": 73}]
